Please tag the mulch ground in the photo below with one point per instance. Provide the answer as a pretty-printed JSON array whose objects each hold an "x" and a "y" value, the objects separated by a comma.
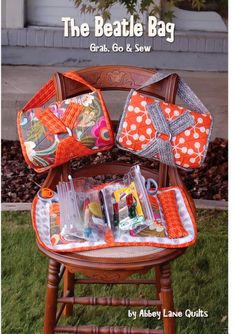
[{"x": 20, "y": 183}]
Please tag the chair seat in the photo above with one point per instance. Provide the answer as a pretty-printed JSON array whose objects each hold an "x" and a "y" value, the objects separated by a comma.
[
  {"x": 122, "y": 252},
  {"x": 115, "y": 257}
]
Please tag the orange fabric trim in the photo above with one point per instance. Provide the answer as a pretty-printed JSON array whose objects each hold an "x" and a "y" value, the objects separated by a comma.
[
  {"x": 75, "y": 76},
  {"x": 22, "y": 141},
  {"x": 52, "y": 122},
  {"x": 169, "y": 207},
  {"x": 70, "y": 148},
  {"x": 48, "y": 91},
  {"x": 41, "y": 97},
  {"x": 71, "y": 114}
]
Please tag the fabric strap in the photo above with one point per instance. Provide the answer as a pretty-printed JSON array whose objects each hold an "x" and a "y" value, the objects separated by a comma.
[
  {"x": 48, "y": 91},
  {"x": 46, "y": 116},
  {"x": 183, "y": 91},
  {"x": 165, "y": 130}
]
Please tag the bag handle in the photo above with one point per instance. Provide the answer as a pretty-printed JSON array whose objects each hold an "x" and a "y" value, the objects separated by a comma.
[
  {"x": 76, "y": 77},
  {"x": 183, "y": 91},
  {"x": 48, "y": 91}
]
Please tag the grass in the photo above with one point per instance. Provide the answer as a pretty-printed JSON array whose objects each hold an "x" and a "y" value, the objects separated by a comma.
[{"x": 199, "y": 282}]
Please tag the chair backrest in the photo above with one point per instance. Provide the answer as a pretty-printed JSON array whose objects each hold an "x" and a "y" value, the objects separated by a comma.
[
  {"x": 114, "y": 77},
  {"x": 122, "y": 78}
]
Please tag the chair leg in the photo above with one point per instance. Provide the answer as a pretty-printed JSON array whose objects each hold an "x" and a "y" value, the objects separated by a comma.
[
  {"x": 51, "y": 297},
  {"x": 158, "y": 285},
  {"x": 167, "y": 298},
  {"x": 69, "y": 285}
]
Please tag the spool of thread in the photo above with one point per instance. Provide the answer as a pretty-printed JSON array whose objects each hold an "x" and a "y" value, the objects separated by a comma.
[{"x": 47, "y": 193}]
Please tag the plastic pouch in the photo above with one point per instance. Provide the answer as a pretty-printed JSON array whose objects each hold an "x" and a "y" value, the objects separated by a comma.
[
  {"x": 127, "y": 202},
  {"x": 138, "y": 180},
  {"x": 120, "y": 213},
  {"x": 71, "y": 222},
  {"x": 81, "y": 213}
]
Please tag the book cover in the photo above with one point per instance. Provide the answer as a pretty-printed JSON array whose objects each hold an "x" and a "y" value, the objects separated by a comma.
[{"x": 153, "y": 88}]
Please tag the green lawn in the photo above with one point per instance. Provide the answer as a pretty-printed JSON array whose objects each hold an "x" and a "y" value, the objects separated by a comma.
[{"x": 199, "y": 282}]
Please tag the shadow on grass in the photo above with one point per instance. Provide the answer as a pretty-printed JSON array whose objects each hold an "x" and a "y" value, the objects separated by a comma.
[{"x": 199, "y": 282}]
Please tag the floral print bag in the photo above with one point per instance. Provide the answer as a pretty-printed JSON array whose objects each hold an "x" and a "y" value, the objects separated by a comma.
[
  {"x": 175, "y": 135},
  {"x": 63, "y": 130}
]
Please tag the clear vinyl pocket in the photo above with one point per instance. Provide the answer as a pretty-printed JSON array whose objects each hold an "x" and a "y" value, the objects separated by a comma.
[
  {"x": 84, "y": 214},
  {"x": 95, "y": 212}
]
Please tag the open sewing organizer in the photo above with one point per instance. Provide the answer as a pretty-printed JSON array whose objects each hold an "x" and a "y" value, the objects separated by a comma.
[{"x": 84, "y": 214}]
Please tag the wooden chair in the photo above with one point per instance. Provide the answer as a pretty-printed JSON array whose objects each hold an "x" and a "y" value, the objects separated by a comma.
[{"x": 113, "y": 265}]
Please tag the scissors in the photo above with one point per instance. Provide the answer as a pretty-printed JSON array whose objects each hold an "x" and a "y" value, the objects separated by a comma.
[{"x": 151, "y": 186}]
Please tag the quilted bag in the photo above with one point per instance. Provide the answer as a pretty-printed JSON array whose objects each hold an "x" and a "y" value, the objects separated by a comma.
[
  {"x": 63, "y": 130},
  {"x": 175, "y": 135}
]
